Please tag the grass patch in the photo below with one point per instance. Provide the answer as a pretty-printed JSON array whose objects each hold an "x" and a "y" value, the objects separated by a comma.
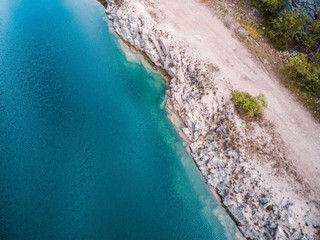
[{"x": 253, "y": 31}]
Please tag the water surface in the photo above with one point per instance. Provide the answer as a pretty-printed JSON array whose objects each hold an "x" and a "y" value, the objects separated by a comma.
[{"x": 86, "y": 148}]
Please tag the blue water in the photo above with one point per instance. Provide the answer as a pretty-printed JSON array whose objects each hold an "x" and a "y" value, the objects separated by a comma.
[{"x": 86, "y": 148}]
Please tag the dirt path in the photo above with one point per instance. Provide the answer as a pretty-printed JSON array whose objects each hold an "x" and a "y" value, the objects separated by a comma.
[{"x": 208, "y": 36}]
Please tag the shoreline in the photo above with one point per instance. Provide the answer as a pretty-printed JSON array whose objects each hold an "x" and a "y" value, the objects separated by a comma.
[
  {"x": 224, "y": 170},
  {"x": 183, "y": 136}
]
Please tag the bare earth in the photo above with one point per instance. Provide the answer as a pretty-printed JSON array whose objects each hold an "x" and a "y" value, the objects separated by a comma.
[{"x": 207, "y": 34}]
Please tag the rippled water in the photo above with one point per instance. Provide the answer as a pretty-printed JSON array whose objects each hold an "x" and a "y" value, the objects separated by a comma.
[{"x": 86, "y": 150}]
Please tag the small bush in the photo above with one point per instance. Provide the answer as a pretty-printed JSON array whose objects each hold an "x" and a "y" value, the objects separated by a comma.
[
  {"x": 311, "y": 38},
  {"x": 287, "y": 29},
  {"x": 305, "y": 72},
  {"x": 252, "y": 106},
  {"x": 269, "y": 6}
]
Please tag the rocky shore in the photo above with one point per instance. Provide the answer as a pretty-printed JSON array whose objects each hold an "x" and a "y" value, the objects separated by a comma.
[{"x": 244, "y": 161}]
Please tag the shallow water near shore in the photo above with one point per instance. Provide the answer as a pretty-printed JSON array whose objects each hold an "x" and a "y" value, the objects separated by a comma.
[{"x": 86, "y": 148}]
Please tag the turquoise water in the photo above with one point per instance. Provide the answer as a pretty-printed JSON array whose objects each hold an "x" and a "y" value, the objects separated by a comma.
[{"x": 86, "y": 148}]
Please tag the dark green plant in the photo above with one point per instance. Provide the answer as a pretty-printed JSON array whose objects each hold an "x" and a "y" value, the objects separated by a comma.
[
  {"x": 291, "y": 30},
  {"x": 269, "y": 6},
  {"x": 305, "y": 72},
  {"x": 311, "y": 38},
  {"x": 287, "y": 29},
  {"x": 252, "y": 106}
]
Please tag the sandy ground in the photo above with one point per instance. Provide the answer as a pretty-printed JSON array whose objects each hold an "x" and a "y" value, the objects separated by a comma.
[{"x": 216, "y": 43}]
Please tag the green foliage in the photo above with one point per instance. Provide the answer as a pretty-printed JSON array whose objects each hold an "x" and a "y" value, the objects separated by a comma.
[
  {"x": 311, "y": 38},
  {"x": 306, "y": 72},
  {"x": 287, "y": 29},
  {"x": 253, "y": 31},
  {"x": 252, "y": 106},
  {"x": 290, "y": 30},
  {"x": 269, "y": 6}
]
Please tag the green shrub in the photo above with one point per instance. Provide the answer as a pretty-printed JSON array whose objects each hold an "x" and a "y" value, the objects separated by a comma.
[
  {"x": 305, "y": 72},
  {"x": 290, "y": 30},
  {"x": 269, "y": 6},
  {"x": 287, "y": 29},
  {"x": 311, "y": 38},
  {"x": 252, "y": 106}
]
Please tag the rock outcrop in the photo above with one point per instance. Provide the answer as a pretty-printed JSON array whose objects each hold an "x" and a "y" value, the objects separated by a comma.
[
  {"x": 231, "y": 153},
  {"x": 310, "y": 8}
]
